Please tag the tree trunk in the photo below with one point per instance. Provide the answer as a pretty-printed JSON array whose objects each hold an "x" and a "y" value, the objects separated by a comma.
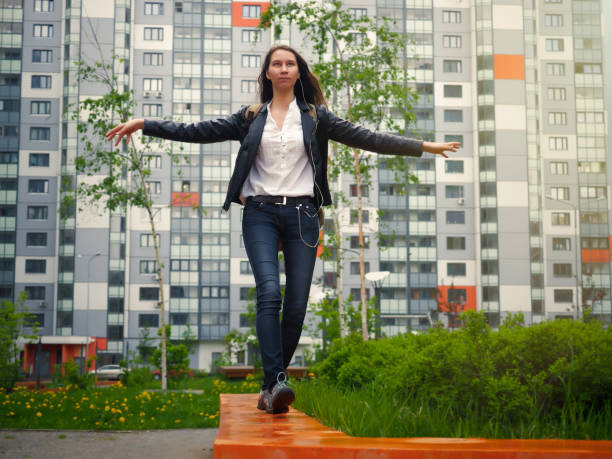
[{"x": 364, "y": 301}]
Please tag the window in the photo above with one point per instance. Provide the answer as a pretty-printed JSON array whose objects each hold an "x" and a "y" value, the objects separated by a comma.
[
  {"x": 356, "y": 294},
  {"x": 43, "y": 30},
  {"x": 562, "y": 269},
  {"x": 36, "y": 266},
  {"x": 248, "y": 86},
  {"x": 41, "y": 82},
  {"x": 9, "y": 131},
  {"x": 34, "y": 320},
  {"x": 251, "y": 11},
  {"x": 42, "y": 56},
  {"x": 564, "y": 295},
  {"x": 365, "y": 191},
  {"x": 251, "y": 36},
  {"x": 592, "y": 192},
  {"x": 39, "y": 160},
  {"x": 452, "y": 90},
  {"x": 553, "y": 69},
  {"x": 251, "y": 60},
  {"x": 36, "y": 239},
  {"x": 455, "y": 217},
  {"x": 583, "y": 67},
  {"x": 154, "y": 9},
  {"x": 451, "y": 41},
  {"x": 553, "y": 1},
  {"x": 453, "y": 166},
  {"x": 152, "y": 110},
  {"x": 594, "y": 217},
  {"x": 40, "y": 133},
  {"x": 151, "y": 84},
  {"x": 557, "y": 118},
  {"x": 451, "y": 17},
  {"x": 35, "y": 292},
  {"x": 355, "y": 242},
  {"x": 557, "y": 143},
  {"x": 558, "y": 168},
  {"x": 154, "y": 33},
  {"x": 152, "y": 162},
  {"x": 589, "y": 117},
  {"x": 38, "y": 186},
  {"x": 455, "y": 243},
  {"x": 149, "y": 293},
  {"x": 365, "y": 217},
  {"x": 556, "y": 94},
  {"x": 591, "y": 167},
  {"x": 561, "y": 243},
  {"x": 38, "y": 212},
  {"x": 453, "y": 116},
  {"x": 451, "y": 66},
  {"x": 214, "y": 292},
  {"x": 457, "y": 295},
  {"x": 559, "y": 193},
  {"x": 43, "y": 6},
  {"x": 595, "y": 243},
  {"x": 146, "y": 240},
  {"x": 148, "y": 320},
  {"x": 453, "y": 191},
  {"x": 183, "y": 265},
  {"x": 153, "y": 59},
  {"x": 153, "y": 187},
  {"x": 148, "y": 266},
  {"x": 245, "y": 267},
  {"x": 560, "y": 218},
  {"x": 553, "y": 20},
  {"x": 454, "y": 138},
  {"x": 554, "y": 44},
  {"x": 355, "y": 267},
  {"x": 455, "y": 269},
  {"x": 358, "y": 13},
  {"x": 39, "y": 107}
]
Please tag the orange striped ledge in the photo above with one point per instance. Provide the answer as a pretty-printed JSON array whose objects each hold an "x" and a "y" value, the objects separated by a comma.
[{"x": 246, "y": 432}]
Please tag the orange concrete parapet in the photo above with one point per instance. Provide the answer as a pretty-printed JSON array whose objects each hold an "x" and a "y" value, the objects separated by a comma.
[{"x": 246, "y": 432}]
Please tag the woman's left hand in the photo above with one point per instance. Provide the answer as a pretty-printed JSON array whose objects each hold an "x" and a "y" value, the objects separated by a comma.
[{"x": 440, "y": 148}]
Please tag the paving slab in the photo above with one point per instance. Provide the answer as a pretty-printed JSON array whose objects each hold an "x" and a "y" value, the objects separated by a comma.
[{"x": 79, "y": 444}]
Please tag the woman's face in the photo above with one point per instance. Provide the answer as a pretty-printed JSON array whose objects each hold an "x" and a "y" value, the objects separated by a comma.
[{"x": 283, "y": 70}]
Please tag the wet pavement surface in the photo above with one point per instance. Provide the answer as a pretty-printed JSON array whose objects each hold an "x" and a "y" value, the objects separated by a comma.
[{"x": 73, "y": 444}]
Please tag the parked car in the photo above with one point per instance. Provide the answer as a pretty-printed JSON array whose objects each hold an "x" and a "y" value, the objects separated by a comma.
[{"x": 109, "y": 372}]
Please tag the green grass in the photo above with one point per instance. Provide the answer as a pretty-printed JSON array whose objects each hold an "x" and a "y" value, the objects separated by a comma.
[
  {"x": 369, "y": 413},
  {"x": 118, "y": 407}
]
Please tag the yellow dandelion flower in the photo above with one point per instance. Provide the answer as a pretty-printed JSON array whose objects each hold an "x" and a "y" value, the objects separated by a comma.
[
  {"x": 121, "y": 419},
  {"x": 74, "y": 418},
  {"x": 212, "y": 416},
  {"x": 201, "y": 414},
  {"x": 177, "y": 421},
  {"x": 91, "y": 406},
  {"x": 38, "y": 413},
  {"x": 106, "y": 408},
  {"x": 152, "y": 418}
]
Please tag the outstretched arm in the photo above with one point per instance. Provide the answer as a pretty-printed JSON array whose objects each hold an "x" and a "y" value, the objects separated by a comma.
[
  {"x": 231, "y": 128},
  {"x": 357, "y": 136}
]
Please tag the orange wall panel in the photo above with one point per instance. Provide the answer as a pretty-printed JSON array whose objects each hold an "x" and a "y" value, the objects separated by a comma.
[
  {"x": 239, "y": 21},
  {"x": 185, "y": 199},
  {"x": 596, "y": 256},
  {"x": 470, "y": 293},
  {"x": 509, "y": 66}
]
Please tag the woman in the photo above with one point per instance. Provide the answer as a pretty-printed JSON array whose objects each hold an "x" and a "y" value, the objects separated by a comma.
[{"x": 280, "y": 177}]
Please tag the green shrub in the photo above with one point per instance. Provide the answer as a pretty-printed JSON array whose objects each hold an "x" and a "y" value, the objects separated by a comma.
[{"x": 509, "y": 375}]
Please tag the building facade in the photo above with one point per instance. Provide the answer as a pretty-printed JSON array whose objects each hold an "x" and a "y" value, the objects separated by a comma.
[{"x": 516, "y": 221}]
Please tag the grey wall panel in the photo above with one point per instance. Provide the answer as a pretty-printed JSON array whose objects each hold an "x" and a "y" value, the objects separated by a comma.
[
  {"x": 512, "y": 220},
  {"x": 89, "y": 323}
]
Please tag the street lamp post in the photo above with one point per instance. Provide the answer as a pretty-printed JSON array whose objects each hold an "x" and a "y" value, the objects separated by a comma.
[
  {"x": 89, "y": 260},
  {"x": 377, "y": 277}
]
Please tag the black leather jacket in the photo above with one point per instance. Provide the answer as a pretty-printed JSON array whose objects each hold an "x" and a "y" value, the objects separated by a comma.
[{"x": 317, "y": 133}]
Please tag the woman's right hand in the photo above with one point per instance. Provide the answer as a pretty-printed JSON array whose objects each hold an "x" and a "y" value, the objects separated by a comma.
[{"x": 124, "y": 129}]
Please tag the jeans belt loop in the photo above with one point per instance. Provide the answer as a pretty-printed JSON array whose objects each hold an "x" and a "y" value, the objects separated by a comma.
[{"x": 284, "y": 200}]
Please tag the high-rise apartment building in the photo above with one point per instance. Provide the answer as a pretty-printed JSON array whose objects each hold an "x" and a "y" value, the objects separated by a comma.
[{"x": 516, "y": 221}]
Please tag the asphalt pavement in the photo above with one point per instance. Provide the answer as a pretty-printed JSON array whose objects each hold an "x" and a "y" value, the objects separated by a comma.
[{"x": 79, "y": 444}]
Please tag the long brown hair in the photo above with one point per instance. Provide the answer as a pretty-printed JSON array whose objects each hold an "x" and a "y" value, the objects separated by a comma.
[{"x": 306, "y": 87}]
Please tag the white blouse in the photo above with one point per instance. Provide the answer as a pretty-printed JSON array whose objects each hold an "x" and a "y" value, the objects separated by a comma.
[{"x": 281, "y": 167}]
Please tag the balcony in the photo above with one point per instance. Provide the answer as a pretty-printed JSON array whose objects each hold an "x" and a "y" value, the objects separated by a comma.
[
  {"x": 7, "y": 250},
  {"x": 8, "y": 196},
  {"x": 7, "y": 223}
]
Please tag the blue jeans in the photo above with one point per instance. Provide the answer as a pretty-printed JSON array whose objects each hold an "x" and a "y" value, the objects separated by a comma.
[{"x": 263, "y": 227}]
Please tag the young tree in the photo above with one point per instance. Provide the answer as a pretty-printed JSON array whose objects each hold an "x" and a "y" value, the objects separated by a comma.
[
  {"x": 360, "y": 67},
  {"x": 13, "y": 318},
  {"x": 118, "y": 176}
]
